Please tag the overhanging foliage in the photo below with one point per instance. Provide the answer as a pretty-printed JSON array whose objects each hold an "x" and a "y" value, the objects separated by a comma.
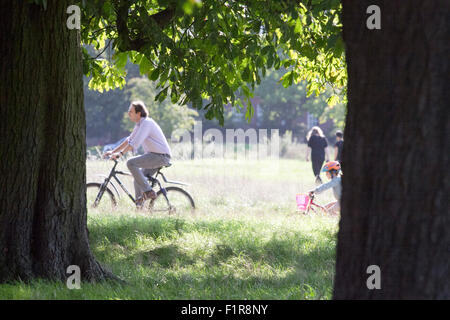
[{"x": 216, "y": 50}]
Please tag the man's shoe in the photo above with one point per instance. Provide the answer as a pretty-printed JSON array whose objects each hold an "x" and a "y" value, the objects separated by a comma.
[
  {"x": 145, "y": 196},
  {"x": 149, "y": 195},
  {"x": 140, "y": 202}
]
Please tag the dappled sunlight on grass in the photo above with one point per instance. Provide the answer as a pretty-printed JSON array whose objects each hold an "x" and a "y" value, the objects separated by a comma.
[
  {"x": 245, "y": 240},
  {"x": 234, "y": 252}
]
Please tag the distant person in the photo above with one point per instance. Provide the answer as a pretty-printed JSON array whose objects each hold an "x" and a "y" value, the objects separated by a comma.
[
  {"x": 332, "y": 170},
  {"x": 318, "y": 143},
  {"x": 338, "y": 146},
  {"x": 157, "y": 151}
]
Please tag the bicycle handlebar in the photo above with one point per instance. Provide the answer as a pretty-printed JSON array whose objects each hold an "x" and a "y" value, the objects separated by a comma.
[{"x": 110, "y": 158}]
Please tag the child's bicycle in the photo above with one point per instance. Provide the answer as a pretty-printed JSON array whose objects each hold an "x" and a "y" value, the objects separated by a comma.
[
  {"x": 305, "y": 203},
  {"x": 169, "y": 200}
]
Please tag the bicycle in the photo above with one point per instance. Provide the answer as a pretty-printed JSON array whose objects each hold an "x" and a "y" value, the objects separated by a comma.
[
  {"x": 311, "y": 205},
  {"x": 169, "y": 199}
]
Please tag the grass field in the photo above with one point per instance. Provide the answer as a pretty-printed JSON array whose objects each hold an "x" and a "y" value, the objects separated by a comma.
[{"x": 245, "y": 240}]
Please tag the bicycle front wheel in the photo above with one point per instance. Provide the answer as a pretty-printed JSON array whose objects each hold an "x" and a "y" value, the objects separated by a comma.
[
  {"x": 99, "y": 201},
  {"x": 175, "y": 202}
]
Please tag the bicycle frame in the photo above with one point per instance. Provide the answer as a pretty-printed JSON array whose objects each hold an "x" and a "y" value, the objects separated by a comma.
[
  {"x": 113, "y": 174},
  {"x": 311, "y": 203},
  {"x": 169, "y": 181}
]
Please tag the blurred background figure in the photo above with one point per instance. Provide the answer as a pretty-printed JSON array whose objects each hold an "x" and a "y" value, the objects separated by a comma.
[
  {"x": 317, "y": 143},
  {"x": 338, "y": 146}
]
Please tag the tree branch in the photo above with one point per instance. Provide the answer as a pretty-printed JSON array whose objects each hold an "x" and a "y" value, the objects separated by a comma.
[
  {"x": 164, "y": 17},
  {"x": 161, "y": 18},
  {"x": 104, "y": 49}
]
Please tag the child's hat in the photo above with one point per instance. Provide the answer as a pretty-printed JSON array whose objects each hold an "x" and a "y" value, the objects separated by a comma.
[{"x": 331, "y": 165}]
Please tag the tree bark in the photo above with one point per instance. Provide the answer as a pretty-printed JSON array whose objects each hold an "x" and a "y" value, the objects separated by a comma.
[
  {"x": 43, "y": 205},
  {"x": 395, "y": 210}
]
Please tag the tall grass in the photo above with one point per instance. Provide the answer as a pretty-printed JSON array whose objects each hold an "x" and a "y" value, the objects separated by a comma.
[{"x": 245, "y": 240}]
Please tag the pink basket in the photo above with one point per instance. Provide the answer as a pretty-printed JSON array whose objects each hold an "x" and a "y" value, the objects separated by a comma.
[{"x": 302, "y": 201}]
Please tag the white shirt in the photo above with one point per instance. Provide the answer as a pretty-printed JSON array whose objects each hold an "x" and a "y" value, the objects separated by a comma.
[{"x": 149, "y": 134}]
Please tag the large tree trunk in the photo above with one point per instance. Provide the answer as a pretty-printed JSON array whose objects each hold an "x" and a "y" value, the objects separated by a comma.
[
  {"x": 42, "y": 207},
  {"x": 395, "y": 210}
]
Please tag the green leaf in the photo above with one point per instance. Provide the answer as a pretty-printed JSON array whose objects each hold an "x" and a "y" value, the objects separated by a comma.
[
  {"x": 288, "y": 78},
  {"x": 108, "y": 9},
  {"x": 333, "y": 100},
  {"x": 298, "y": 26},
  {"x": 270, "y": 61},
  {"x": 154, "y": 74},
  {"x": 247, "y": 92},
  {"x": 174, "y": 96},
  {"x": 246, "y": 74},
  {"x": 121, "y": 60},
  {"x": 339, "y": 47},
  {"x": 145, "y": 66},
  {"x": 162, "y": 95},
  {"x": 249, "y": 112},
  {"x": 265, "y": 51}
]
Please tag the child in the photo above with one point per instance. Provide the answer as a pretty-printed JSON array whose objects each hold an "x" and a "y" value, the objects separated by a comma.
[{"x": 332, "y": 170}]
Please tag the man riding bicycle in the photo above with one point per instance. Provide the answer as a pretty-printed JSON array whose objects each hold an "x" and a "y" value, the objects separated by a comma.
[{"x": 157, "y": 151}]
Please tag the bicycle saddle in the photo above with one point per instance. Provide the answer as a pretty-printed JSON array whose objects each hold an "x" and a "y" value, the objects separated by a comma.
[{"x": 150, "y": 176}]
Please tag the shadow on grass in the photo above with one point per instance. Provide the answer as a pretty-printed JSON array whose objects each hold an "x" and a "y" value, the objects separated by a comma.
[
  {"x": 166, "y": 256},
  {"x": 238, "y": 263},
  {"x": 230, "y": 239},
  {"x": 126, "y": 230},
  {"x": 298, "y": 283},
  {"x": 307, "y": 276}
]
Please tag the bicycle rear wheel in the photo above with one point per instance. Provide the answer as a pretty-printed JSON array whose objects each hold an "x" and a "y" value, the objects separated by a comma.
[
  {"x": 105, "y": 202},
  {"x": 175, "y": 202}
]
